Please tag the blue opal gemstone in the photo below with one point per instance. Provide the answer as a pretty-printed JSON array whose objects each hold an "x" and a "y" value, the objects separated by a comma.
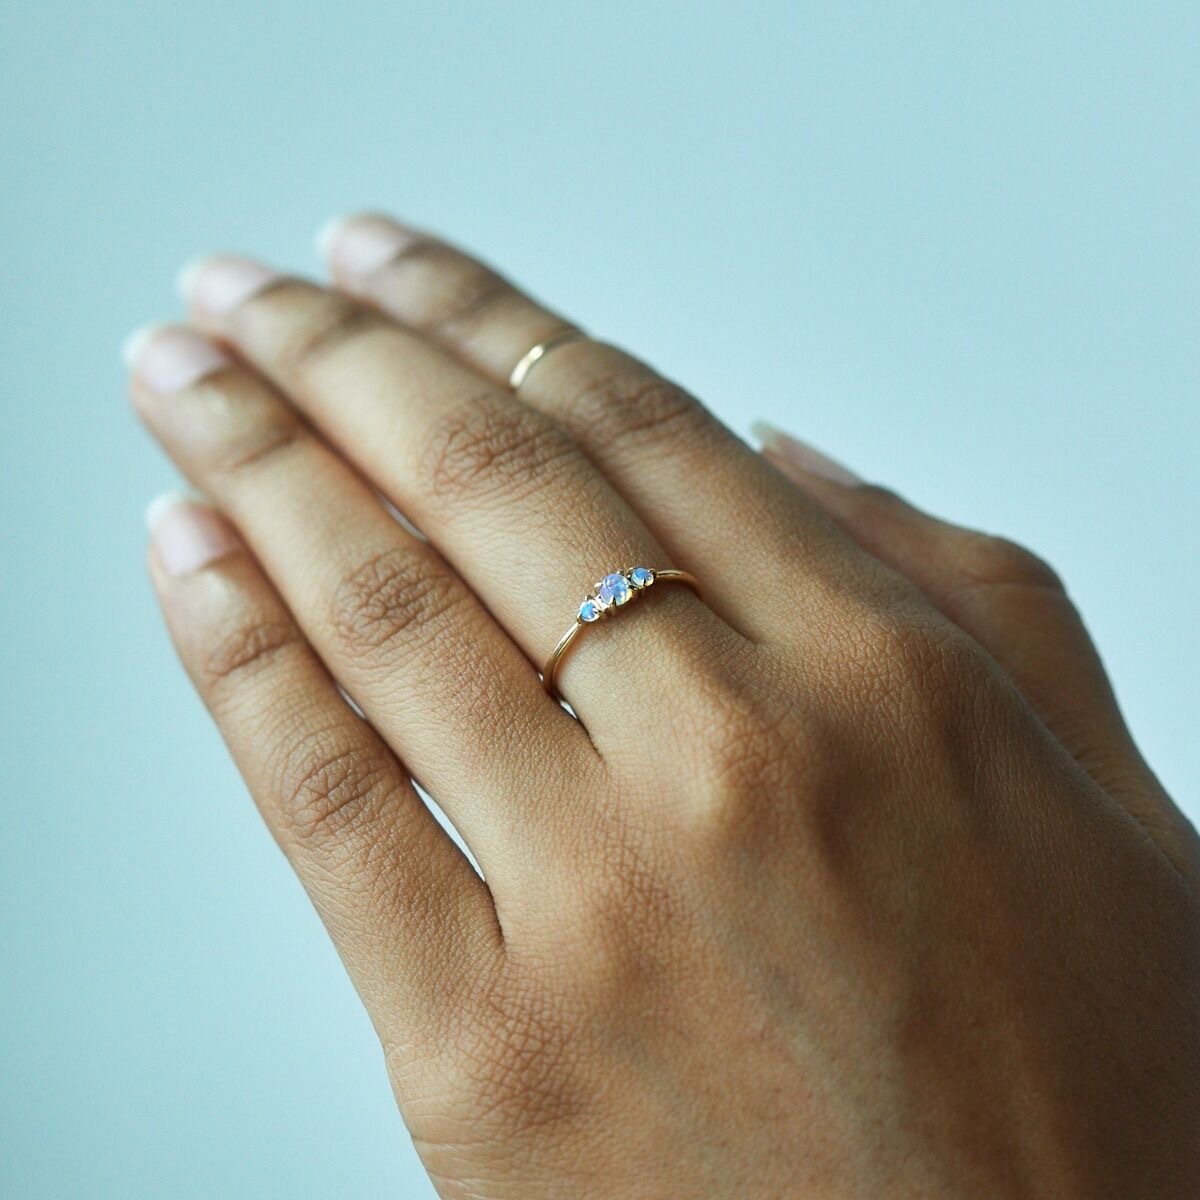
[
  {"x": 641, "y": 577},
  {"x": 589, "y": 610},
  {"x": 613, "y": 589}
]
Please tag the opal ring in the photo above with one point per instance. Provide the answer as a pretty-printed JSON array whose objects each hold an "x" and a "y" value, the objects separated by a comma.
[
  {"x": 614, "y": 591},
  {"x": 522, "y": 369}
]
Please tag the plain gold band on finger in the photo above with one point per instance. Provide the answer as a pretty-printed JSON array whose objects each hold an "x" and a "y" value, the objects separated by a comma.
[
  {"x": 522, "y": 369},
  {"x": 614, "y": 591}
]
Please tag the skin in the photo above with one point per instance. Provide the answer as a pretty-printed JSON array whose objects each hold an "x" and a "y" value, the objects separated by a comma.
[{"x": 846, "y": 880}]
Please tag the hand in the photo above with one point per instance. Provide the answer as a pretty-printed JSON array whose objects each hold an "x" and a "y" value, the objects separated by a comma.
[{"x": 847, "y": 881}]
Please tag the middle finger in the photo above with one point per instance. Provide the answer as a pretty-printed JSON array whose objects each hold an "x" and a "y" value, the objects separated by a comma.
[{"x": 507, "y": 496}]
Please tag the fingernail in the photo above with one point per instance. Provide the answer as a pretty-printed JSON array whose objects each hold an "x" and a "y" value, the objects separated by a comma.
[
  {"x": 356, "y": 246},
  {"x": 188, "y": 534},
  {"x": 787, "y": 450},
  {"x": 169, "y": 358},
  {"x": 218, "y": 283}
]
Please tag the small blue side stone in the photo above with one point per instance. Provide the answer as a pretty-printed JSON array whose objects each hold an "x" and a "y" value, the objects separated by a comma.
[
  {"x": 641, "y": 577},
  {"x": 614, "y": 589},
  {"x": 589, "y": 610}
]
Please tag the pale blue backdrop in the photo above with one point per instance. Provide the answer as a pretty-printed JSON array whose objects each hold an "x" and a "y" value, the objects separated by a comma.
[{"x": 955, "y": 244}]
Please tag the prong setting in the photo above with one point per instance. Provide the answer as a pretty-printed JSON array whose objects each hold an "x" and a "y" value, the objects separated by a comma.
[{"x": 613, "y": 591}]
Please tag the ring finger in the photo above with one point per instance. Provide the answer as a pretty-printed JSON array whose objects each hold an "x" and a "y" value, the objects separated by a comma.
[{"x": 526, "y": 520}]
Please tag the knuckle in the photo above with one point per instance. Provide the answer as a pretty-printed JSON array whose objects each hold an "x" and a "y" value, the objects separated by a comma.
[
  {"x": 733, "y": 739},
  {"x": 989, "y": 561},
  {"x": 257, "y": 446},
  {"x": 632, "y": 406},
  {"x": 626, "y": 902},
  {"x": 246, "y": 649},
  {"x": 741, "y": 755},
  {"x": 397, "y": 593},
  {"x": 736, "y": 742},
  {"x": 329, "y": 790},
  {"x": 487, "y": 447},
  {"x": 466, "y": 293},
  {"x": 242, "y": 425},
  {"x": 916, "y": 670},
  {"x": 517, "y": 1057},
  {"x": 330, "y": 325}
]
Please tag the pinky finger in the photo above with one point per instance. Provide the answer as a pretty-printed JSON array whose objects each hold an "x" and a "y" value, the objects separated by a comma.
[{"x": 410, "y": 917}]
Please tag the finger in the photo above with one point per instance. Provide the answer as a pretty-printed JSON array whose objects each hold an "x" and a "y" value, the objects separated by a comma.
[
  {"x": 704, "y": 494},
  {"x": 505, "y": 495},
  {"x": 412, "y": 920},
  {"x": 1010, "y": 602},
  {"x": 427, "y": 664}
]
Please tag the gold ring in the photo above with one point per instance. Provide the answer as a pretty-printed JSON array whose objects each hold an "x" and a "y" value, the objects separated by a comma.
[
  {"x": 612, "y": 592},
  {"x": 522, "y": 369}
]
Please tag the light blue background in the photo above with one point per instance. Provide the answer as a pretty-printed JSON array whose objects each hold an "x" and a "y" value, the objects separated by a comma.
[{"x": 954, "y": 244}]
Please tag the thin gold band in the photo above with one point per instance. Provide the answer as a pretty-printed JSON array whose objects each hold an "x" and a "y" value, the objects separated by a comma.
[
  {"x": 522, "y": 369},
  {"x": 550, "y": 670}
]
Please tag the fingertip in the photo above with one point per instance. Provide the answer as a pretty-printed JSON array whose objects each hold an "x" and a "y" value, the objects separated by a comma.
[
  {"x": 162, "y": 504},
  {"x": 800, "y": 459},
  {"x": 356, "y": 245},
  {"x": 167, "y": 358},
  {"x": 188, "y": 276},
  {"x": 187, "y": 533},
  {"x": 329, "y": 234},
  {"x": 215, "y": 284},
  {"x": 133, "y": 347}
]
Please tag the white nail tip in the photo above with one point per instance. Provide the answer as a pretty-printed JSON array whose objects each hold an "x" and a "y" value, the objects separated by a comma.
[
  {"x": 188, "y": 274},
  {"x": 328, "y": 235},
  {"x": 767, "y": 436},
  {"x": 134, "y": 346},
  {"x": 161, "y": 505}
]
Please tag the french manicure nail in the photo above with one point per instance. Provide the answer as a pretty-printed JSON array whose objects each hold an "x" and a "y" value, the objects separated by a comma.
[
  {"x": 356, "y": 246},
  {"x": 782, "y": 446},
  {"x": 218, "y": 283},
  {"x": 169, "y": 358},
  {"x": 187, "y": 533}
]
